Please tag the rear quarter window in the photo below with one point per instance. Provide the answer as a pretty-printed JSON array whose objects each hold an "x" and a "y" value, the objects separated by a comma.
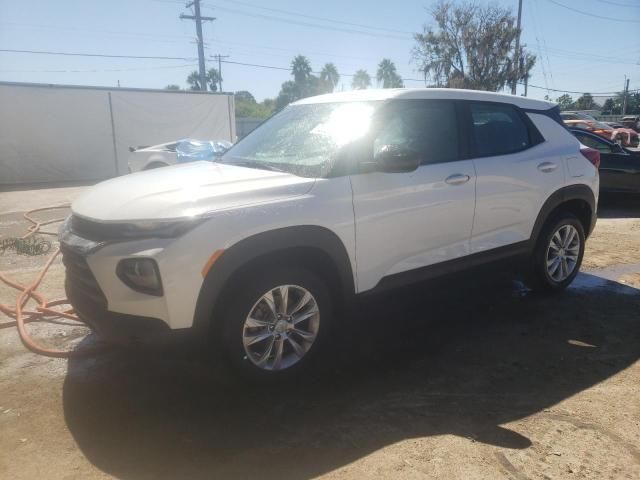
[{"x": 498, "y": 129}]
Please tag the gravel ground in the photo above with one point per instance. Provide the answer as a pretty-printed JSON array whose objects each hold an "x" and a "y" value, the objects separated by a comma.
[{"x": 467, "y": 377}]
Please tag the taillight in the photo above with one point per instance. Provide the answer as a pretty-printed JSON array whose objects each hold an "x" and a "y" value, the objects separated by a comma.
[{"x": 592, "y": 155}]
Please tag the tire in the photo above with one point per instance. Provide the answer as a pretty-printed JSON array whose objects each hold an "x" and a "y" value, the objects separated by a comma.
[
  {"x": 562, "y": 237},
  {"x": 253, "y": 294}
]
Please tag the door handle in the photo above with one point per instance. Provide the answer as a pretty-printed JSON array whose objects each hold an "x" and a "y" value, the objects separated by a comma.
[
  {"x": 547, "y": 167},
  {"x": 457, "y": 179}
]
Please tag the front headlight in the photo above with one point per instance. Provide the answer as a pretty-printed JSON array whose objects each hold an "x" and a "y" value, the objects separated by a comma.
[
  {"x": 158, "y": 229},
  {"x": 105, "y": 232}
]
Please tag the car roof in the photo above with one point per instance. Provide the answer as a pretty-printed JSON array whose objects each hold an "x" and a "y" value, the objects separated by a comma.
[{"x": 378, "y": 94}]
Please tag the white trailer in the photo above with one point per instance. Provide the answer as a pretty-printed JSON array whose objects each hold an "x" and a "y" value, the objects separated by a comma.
[{"x": 64, "y": 133}]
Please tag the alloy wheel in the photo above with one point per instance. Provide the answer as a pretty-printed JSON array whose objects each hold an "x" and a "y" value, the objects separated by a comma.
[
  {"x": 562, "y": 253},
  {"x": 281, "y": 327}
]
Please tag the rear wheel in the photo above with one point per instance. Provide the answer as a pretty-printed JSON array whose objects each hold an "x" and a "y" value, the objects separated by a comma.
[
  {"x": 558, "y": 253},
  {"x": 277, "y": 322}
]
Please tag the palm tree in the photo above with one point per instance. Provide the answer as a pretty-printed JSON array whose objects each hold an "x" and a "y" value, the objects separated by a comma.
[
  {"x": 361, "y": 80},
  {"x": 194, "y": 80},
  {"x": 387, "y": 74},
  {"x": 330, "y": 76},
  {"x": 301, "y": 69},
  {"x": 213, "y": 79}
]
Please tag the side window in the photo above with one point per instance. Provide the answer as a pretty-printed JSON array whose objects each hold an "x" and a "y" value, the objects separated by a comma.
[
  {"x": 498, "y": 129},
  {"x": 591, "y": 142},
  {"x": 426, "y": 126}
]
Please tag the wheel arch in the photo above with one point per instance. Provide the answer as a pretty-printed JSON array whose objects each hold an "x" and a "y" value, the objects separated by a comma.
[
  {"x": 155, "y": 164},
  {"x": 577, "y": 199},
  {"x": 313, "y": 246}
]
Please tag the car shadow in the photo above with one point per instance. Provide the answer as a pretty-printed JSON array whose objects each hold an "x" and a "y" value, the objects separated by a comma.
[
  {"x": 460, "y": 356},
  {"x": 619, "y": 205}
]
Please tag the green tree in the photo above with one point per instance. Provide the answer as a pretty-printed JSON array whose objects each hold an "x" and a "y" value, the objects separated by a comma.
[
  {"x": 609, "y": 107},
  {"x": 289, "y": 92},
  {"x": 565, "y": 102},
  {"x": 193, "y": 80},
  {"x": 244, "y": 96},
  {"x": 301, "y": 69},
  {"x": 361, "y": 80},
  {"x": 586, "y": 102},
  {"x": 213, "y": 79},
  {"x": 329, "y": 76},
  {"x": 172, "y": 86},
  {"x": 387, "y": 75},
  {"x": 471, "y": 46},
  {"x": 633, "y": 103},
  {"x": 254, "y": 109}
]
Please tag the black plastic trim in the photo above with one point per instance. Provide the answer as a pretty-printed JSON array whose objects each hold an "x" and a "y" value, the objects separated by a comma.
[
  {"x": 563, "y": 195},
  {"x": 263, "y": 245},
  {"x": 515, "y": 252}
]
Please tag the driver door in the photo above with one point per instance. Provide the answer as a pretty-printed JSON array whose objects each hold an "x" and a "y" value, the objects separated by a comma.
[{"x": 408, "y": 220}]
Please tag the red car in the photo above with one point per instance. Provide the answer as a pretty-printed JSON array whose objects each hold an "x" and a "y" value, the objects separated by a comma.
[{"x": 624, "y": 136}]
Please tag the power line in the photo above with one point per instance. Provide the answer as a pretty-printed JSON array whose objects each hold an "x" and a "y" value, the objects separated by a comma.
[
  {"x": 592, "y": 14},
  {"x": 288, "y": 69},
  {"x": 570, "y": 91},
  {"x": 617, "y": 4},
  {"x": 272, "y": 67},
  {"x": 310, "y": 24},
  {"x": 157, "y": 67},
  {"x": 312, "y": 17},
  {"x": 100, "y": 55}
]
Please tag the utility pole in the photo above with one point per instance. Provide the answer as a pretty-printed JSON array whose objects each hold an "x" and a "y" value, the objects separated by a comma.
[
  {"x": 624, "y": 95},
  {"x": 220, "y": 57},
  {"x": 516, "y": 60},
  {"x": 199, "y": 19}
]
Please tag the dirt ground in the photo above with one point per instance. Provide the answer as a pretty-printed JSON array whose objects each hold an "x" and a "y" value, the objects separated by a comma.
[{"x": 467, "y": 377}]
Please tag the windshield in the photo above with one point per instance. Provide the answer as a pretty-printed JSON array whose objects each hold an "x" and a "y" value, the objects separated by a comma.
[{"x": 303, "y": 139}]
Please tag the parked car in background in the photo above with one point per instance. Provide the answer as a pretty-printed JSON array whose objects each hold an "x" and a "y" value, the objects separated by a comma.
[
  {"x": 631, "y": 121},
  {"x": 181, "y": 151},
  {"x": 624, "y": 136},
  {"x": 257, "y": 251},
  {"x": 619, "y": 167}
]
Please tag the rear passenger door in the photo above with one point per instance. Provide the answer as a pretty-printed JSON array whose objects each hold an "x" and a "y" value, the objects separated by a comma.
[
  {"x": 409, "y": 220},
  {"x": 516, "y": 172}
]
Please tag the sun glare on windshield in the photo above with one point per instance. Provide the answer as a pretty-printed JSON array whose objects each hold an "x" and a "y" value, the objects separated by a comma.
[{"x": 346, "y": 123}]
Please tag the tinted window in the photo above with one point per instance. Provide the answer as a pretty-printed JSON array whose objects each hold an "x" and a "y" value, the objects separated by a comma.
[
  {"x": 427, "y": 126},
  {"x": 591, "y": 142},
  {"x": 498, "y": 130}
]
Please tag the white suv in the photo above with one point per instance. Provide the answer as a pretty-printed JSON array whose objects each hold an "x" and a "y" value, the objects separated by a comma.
[{"x": 334, "y": 196}]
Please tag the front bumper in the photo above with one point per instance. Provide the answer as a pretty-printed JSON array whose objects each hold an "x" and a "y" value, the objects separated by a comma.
[{"x": 90, "y": 303}]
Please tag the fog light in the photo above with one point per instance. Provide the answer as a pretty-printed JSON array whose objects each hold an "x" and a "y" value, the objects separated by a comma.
[{"x": 140, "y": 274}]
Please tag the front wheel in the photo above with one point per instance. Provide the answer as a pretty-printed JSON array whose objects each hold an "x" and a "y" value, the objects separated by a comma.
[
  {"x": 277, "y": 322},
  {"x": 558, "y": 253}
]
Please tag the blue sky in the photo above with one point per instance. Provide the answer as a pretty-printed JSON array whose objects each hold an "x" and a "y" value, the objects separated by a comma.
[{"x": 575, "y": 51}]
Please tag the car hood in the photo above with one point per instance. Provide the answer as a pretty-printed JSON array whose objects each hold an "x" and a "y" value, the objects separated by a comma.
[{"x": 185, "y": 190}]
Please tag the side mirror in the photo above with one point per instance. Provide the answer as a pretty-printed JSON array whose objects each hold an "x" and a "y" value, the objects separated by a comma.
[
  {"x": 617, "y": 148},
  {"x": 397, "y": 159}
]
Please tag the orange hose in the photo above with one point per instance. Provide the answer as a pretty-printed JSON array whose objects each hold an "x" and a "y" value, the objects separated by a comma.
[{"x": 44, "y": 308}]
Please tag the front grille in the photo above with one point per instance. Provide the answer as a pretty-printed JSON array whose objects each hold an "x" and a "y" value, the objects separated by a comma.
[{"x": 82, "y": 287}]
